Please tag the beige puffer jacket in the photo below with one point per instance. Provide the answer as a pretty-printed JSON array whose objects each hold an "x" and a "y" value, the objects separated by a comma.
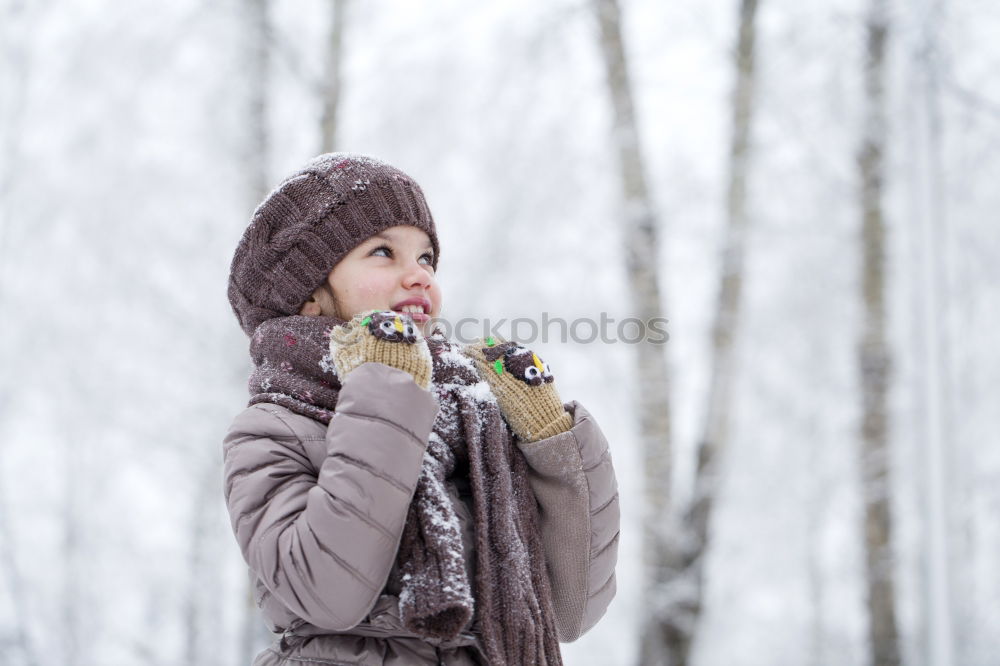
[{"x": 318, "y": 512}]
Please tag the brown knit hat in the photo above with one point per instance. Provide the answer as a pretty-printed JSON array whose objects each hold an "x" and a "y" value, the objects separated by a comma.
[{"x": 309, "y": 222}]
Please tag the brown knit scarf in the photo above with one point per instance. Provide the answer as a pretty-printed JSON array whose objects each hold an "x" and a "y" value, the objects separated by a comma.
[{"x": 513, "y": 602}]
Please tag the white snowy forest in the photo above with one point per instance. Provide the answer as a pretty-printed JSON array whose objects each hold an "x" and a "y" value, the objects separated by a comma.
[{"x": 809, "y": 469}]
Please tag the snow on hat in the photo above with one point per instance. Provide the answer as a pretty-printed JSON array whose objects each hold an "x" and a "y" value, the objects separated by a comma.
[{"x": 306, "y": 225}]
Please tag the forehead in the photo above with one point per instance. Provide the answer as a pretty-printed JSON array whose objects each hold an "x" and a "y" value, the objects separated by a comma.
[{"x": 404, "y": 234}]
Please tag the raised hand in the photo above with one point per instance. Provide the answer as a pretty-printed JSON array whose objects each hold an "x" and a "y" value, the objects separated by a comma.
[
  {"x": 381, "y": 336},
  {"x": 523, "y": 386}
]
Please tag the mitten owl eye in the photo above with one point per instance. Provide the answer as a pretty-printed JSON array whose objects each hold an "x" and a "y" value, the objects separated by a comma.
[
  {"x": 520, "y": 362},
  {"x": 390, "y": 326},
  {"x": 524, "y": 363}
]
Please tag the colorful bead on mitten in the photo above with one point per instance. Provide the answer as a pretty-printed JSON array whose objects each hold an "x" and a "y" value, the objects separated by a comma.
[
  {"x": 523, "y": 386},
  {"x": 383, "y": 337}
]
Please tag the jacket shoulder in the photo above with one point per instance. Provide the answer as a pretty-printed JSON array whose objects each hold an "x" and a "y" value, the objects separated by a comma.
[
  {"x": 268, "y": 419},
  {"x": 272, "y": 427}
]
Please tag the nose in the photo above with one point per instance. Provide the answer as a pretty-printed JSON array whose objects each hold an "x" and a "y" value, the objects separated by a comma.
[{"x": 415, "y": 275}]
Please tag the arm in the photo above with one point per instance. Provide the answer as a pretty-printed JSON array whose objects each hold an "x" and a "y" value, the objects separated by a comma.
[
  {"x": 571, "y": 475},
  {"x": 324, "y": 543},
  {"x": 574, "y": 483}
]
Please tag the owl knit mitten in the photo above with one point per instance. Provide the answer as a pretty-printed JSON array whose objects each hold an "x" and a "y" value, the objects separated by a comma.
[
  {"x": 383, "y": 337},
  {"x": 523, "y": 386}
]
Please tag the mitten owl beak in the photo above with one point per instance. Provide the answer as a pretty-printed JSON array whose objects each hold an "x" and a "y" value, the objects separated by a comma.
[
  {"x": 538, "y": 362},
  {"x": 398, "y": 323}
]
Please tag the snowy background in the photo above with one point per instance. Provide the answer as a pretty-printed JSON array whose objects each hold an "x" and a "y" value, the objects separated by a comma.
[{"x": 124, "y": 187}]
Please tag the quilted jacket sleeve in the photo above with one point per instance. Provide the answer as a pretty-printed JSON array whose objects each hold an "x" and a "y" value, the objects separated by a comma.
[
  {"x": 577, "y": 493},
  {"x": 323, "y": 541}
]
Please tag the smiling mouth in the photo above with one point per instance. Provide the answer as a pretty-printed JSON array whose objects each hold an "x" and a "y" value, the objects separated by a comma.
[
  {"x": 412, "y": 309},
  {"x": 415, "y": 312}
]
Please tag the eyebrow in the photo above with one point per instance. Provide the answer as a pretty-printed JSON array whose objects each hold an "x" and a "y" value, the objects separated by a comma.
[{"x": 391, "y": 237}]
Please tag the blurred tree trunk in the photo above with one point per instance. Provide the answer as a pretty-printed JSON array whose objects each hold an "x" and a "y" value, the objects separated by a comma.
[
  {"x": 815, "y": 523},
  {"x": 331, "y": 83},
  {"x": 691, "y": 543},
  {"x": 20, "y": 640},
  {"x": 873, "y": 353},
  {"x": 201, "y": 626},
  {"x": 17, "y": 24},
  {"x": 933, "y": 435},
  {"x": 74, "y": 578},
  {"x": 641, "y": 264},
  {"x": 254, "y": 635},
  {"x": 259, "y": 60}
]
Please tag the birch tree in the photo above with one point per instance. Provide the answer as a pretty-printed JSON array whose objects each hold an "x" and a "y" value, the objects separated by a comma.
[
  {"x": 201, "y": 567},
  {"x": 330, "y": 85},
  {"x": 258, "y": 45},
  {"x": 73, "y": 546},
  {"x": 927, "y": 183},
  {"x": 16, "y": 25},
  {"x": 873, "y": 352},
  {"x": 19, "y": 641},
  {"x": 640, "y": 235},
  {"x": 254, "y": 634},
  {"x": 689, "y": 547}
]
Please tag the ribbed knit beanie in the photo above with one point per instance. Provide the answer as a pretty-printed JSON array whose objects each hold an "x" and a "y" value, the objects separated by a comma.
[{"x": 309, "y": 222}]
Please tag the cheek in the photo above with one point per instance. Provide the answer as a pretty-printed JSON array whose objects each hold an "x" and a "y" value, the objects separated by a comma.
[
  {"x": 369, "y": 292},
  {"x": 436, "y": 299}
]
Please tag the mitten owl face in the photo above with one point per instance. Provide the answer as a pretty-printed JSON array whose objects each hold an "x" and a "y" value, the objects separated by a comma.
[
  {"x": 519, "y": 361},
  {"x": 389, "y": 325}
]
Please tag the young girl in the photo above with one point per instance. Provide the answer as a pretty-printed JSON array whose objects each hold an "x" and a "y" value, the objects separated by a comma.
[{"x": 399, "y": 498}]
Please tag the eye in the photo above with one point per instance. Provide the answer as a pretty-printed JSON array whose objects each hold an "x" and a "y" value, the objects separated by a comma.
[
  {"x": 382, "y": 251},
  {"x": 547, "y": 372},
  {"x": 408, "y": 330},
  {"x": 531, "y": 372},
  {"x": 387, "y": 327},
  {"x": 429, "y": 258}
]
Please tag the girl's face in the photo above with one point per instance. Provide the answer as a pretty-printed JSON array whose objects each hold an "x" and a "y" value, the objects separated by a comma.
[{"x": 392, "y": 270}]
